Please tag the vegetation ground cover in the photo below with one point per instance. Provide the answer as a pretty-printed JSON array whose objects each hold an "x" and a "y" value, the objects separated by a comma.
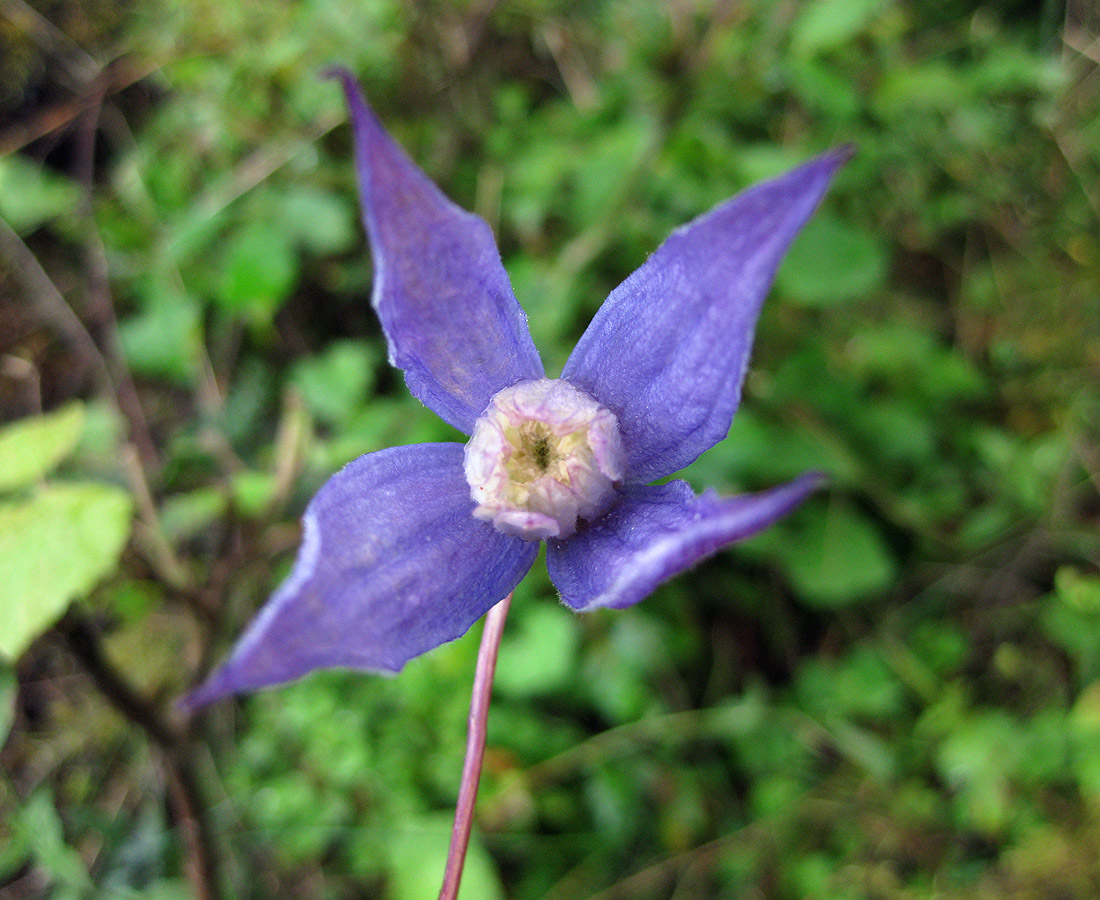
[{"x": 893, "y": 694}]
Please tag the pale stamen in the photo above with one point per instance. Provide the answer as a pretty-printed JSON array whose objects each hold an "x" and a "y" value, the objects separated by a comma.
[{"x": 542, "y": 457}]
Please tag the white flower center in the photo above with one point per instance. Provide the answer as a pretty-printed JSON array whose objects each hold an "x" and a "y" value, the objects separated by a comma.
[{"x": 542, "y": 456}]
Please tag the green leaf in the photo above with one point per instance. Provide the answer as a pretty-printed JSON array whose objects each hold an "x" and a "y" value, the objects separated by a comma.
[
  {"x": 321, "y": 221},
  {"x": 335, "y": 383},
  {"x": 825, "y": 90},
  {"x": 832, "y": 262},
  {"x": 539, "y": 655},
  {"x": 759, "y": 162},
  {"x": 836, "y": 556},
  {"x": 253, "y": 492},
  {"x": 164, "y": 340},
  {"x": 38, "y": 825},
  {"x": 1084, "y": 724},
  {"x": 53, "y": 549},
  {"x": 906, "y": 91},
  {"x": 859, "y": 686},
  {"x": 762, "y": 451},
  {"x": 826, "y": 24},
  {"x": 977, "y": 760},
  {"x": 261, "y": 269},
  {"x": 183, "y": 516},
  {"x": 418, "y": 853},
  {"x": 101, "y": 437},
  {"x": 31, "y": 195},
  {"x": 1078, "y": 591},
  {"x": 604, "y": 169},
  {"x": 177, "y": 889},
  {"x": 32, "y": 448}
]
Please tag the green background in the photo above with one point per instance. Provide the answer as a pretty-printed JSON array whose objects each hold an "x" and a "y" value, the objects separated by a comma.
[{"x": 894, "y": 693}]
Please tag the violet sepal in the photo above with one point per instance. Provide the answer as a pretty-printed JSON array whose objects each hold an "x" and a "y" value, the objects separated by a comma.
[
  {"x": 394, "y": 561},
  {"x": 392, "y": 564},
  {"x": 451, "y": 320},
  {"x": 668, "y": 350},
  {"x": 656, "y": 532}
]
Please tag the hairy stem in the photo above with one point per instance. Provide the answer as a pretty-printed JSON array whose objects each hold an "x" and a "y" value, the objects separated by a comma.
[{"x": 475, "y": 747}]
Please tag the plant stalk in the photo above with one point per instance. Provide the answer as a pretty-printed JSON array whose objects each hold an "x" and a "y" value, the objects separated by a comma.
[{"x": 475, "y": 747}]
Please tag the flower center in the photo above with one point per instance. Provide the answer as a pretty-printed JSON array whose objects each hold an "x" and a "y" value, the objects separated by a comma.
[{"x": 543, "y": 456}]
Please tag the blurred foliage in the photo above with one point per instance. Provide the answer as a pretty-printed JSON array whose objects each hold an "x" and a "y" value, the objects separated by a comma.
[
  {"x": 893, "y": 694},
  {"x": 83, "y": 525}
]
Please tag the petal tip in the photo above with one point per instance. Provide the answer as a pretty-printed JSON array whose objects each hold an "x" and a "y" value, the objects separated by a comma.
[
  {"x": 210, "y": 691},
  {"x": 794, "y": 493},
  {"x": 830, "y": 162},
  {"x": 359, "y": 110},
  {"x": 337, "y": 72},
  {"x": 843, "y": 153},
  {"x": 814, "y": 479}
]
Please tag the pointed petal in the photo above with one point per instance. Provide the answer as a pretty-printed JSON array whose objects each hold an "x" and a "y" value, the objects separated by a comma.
[
  {"x": 451, "y": 320},
  {"x": 656, "y": 532},
  {"x": 667, "y": 351},
  {"x": 392, "y": 564}
]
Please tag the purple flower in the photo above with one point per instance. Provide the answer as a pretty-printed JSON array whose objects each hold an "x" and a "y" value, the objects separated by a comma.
[{"x": 406, "y": 548}]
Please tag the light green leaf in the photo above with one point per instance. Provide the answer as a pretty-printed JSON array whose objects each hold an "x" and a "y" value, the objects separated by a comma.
[
  {"x": 825, "y": 24},
  {"x": 38, "y": 825},
  {"x": 163, "y": 340},
  {"x": 759, "y": 162},
  {"x": 183, "y": 516},
  {"x": 418, "y": 853},
  {"x": 31, "y": 448},
  {"x": 261, "y": 268},
  {"x": 905, "y": 91},
  {"x": 164, "y": 335},
  {"x": 539, "y": 655},
  {"x": 1078, "y": 591},
  {"x": 321, "y": 221},
  {"x": 334, "y": 384},
  {"x": 605, "y": 168},
  {"x": 53, "y": 549},
  {"x": 253, "y": 492},
  {"x": 832, "y": 262},
  {"x": 836, "y": 557},
  {"x": 1084, "y": 722},
  {"x": 31, "y": 195},
  {"x": 176, "y": 889}
]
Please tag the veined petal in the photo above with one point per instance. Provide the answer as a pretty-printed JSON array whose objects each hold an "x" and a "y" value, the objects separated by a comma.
[
  {"x": 451, "y": 320},
  {"x": 668, "y": 350},
  {"x": 392, "y": 564},
  {"x": 656, "y": 532}
]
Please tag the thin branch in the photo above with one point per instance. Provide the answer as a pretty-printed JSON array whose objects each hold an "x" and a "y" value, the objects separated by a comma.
[
  {"x": 80, "y": 64},
  {"x": 85, "y": 646},
  {"x": 1081, "y": 44},
  {"x": 1073, "y": 160},
  {"x": 184, "y": 791},
  {"x": 100, "y": 300},
  {"x": 52, "y": 308},
  {"x": 116, "y": 77},
  {"x": 251, "y": 173},
  {"x": 158, "y": 550},
  {"x": 475, "y": 747},
  {"x": 650, "y": 879},
  {"x": 50, "y": 304}
]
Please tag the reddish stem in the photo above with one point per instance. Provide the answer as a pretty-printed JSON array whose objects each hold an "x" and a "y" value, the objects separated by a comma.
[{"x": 475, "y": 747}]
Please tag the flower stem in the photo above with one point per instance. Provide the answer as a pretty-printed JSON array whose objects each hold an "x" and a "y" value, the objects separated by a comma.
[{"x": 475, "y": 747}]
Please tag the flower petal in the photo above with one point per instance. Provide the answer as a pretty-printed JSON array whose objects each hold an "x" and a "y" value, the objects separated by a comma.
[
  {"x": 656, "y": 532},
  {"x": 451, "y": 320},
  {"x": 392, "y": 564},
  {"x": 667, "y": 351}
]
